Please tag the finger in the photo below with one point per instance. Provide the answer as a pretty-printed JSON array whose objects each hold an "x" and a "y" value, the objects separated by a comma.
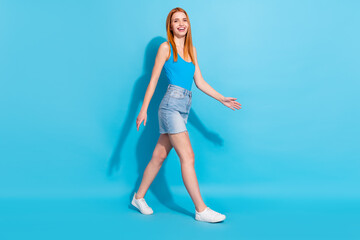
[{"x": 145, "y": 122}]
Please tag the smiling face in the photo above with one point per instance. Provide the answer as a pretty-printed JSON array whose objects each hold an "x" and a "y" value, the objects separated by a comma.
[{"x": 179, "y": 24}]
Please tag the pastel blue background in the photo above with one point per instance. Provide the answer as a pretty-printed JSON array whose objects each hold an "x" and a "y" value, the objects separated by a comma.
[{"x": 73, "y": 77}]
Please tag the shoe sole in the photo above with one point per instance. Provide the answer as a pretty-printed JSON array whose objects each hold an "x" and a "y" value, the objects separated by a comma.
[
  {"x": 210, "y": 221},
  {"x": 134, "y": 204}
]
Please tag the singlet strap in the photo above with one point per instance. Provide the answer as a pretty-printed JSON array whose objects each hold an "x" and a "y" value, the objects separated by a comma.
[{"x": 171, "y": 50}]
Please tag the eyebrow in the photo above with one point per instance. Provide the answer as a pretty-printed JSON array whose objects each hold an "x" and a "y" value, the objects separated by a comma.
[{"x": 178, "y": 18}]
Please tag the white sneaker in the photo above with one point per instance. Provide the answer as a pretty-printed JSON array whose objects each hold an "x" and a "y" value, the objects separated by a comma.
[
  {"x": 141, "y": 205},
  {"x": 209, "y": 215}
]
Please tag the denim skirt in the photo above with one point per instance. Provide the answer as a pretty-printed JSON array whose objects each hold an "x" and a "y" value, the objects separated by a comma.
[{"x": 174, "y": 109}]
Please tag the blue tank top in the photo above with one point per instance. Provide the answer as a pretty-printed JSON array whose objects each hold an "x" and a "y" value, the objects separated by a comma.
[{"x": 180, "y": 73}]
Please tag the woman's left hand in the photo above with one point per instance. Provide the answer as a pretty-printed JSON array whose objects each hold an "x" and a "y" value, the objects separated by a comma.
[{"x": 231, "y": 103}]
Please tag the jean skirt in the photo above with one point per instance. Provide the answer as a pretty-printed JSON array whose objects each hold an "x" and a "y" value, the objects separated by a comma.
[{"x": 174, "y": 109}]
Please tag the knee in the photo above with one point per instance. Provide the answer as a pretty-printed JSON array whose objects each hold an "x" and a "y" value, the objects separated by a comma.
[
  {"x": 189, "y": 159},
  {"x": 159, "y": 157}
]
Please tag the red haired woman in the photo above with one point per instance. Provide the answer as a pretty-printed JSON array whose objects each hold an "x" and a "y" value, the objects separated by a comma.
[{"x": 178, "y": 58}]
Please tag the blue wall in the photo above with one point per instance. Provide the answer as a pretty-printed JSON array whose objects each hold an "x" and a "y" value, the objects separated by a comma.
[{"x": 73, "y": 75}]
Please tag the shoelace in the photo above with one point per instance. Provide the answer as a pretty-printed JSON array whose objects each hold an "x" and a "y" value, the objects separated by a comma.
[
  {"x": 142, "y": 200},
  {"x": 214, "y": 214}
]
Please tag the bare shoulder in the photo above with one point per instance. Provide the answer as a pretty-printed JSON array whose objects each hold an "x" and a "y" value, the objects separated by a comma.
[
  {"x": 194, "y": 50},
  {"x": 195, "y": 54},
  {"x": 164, "y": 49},
  {"x": 166, "y": 44}
]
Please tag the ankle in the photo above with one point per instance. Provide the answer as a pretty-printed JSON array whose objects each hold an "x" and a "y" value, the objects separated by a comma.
[
  {"x": 200, "y": 209},
  {"x": 137, "y": 197}
]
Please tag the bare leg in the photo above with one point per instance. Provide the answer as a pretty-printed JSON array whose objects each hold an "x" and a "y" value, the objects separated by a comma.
[
  {"x": 160, "y": 153},
  {"x": 183, "y": 148}
]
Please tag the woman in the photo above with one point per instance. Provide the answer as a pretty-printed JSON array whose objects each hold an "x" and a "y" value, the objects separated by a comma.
[{"x": 179, "y": 59}]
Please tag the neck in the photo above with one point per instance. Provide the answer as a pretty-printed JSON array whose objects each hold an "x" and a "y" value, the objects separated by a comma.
[{"x": 179, "y": 41}]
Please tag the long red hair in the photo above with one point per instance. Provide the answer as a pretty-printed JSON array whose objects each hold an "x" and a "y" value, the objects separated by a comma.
[{"x": 188, "y": 46}]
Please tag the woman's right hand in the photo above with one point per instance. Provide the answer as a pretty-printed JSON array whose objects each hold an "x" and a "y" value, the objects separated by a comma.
[{"x": 141, "y": 117}]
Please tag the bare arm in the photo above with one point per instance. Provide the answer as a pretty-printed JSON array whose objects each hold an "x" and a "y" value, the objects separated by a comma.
[
  {"x": 206, "y": 88},
  {"x": 159, "y": 63},
  {"x": 160, "y": 59},
  {"x": 202, "y": 84}
]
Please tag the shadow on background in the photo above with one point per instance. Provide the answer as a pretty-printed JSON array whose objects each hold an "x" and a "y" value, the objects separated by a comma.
[{"x": 150, "y": 134}]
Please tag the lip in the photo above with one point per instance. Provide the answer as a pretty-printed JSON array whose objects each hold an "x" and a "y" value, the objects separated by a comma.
[{"x": 183, "y": 29}]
